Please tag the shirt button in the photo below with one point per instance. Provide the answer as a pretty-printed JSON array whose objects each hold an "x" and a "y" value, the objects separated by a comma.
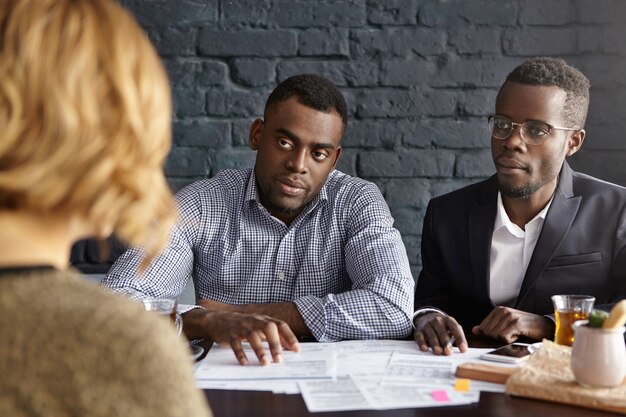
[{"x": 281, "y": 275}]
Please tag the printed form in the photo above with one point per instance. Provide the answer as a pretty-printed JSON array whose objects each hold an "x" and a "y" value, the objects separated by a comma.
[{"x": 350, "y": 375}]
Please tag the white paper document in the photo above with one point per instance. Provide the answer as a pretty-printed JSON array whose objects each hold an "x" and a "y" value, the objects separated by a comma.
[
  {"x": 349, "y": 375},
  {"x": 314, "y": 361}
]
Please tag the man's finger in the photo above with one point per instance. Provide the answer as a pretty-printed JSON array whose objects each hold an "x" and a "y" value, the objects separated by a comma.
[
  {"x": 288, "y": 339},
  {"x": 421, "y": 341},
  {"x": 235, "y": 345},
  {"x": 270, "y": 333},
  {"x": 433, "y": 341},
  {"x": 256, "y": 343}
]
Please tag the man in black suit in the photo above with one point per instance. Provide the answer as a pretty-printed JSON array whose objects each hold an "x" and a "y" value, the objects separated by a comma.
[{"x": 494, "y": 253}]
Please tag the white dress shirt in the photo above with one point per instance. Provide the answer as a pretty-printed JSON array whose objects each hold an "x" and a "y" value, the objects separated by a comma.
[{"x": 511, "y": 250}]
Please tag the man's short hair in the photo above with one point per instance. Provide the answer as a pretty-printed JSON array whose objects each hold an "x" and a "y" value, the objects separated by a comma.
[
  {"x": 555, "y": 72},
  {"x": 312, "y": 91}
]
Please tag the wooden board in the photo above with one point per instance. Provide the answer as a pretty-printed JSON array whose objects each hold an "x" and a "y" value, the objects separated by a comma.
[{"x": 483, "y": 372}]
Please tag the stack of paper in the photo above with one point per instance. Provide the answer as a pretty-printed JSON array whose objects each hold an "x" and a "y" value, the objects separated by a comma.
[{"x": 350, "y": 375}]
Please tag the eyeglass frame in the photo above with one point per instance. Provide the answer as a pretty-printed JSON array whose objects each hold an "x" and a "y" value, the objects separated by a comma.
[{"x": 522, "y": 130}]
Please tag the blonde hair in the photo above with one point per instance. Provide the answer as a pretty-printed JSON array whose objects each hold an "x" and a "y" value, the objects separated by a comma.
[{"x": 85, "y": 118}]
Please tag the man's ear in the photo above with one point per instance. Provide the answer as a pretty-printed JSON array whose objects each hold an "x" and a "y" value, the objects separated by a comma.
[
  {"x": 337, "y": 154},
  {"x": 254, "y": 137},
  {"x": 575, "y": 142}
]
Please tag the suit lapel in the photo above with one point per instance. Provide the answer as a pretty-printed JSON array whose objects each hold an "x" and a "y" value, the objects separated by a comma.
[
  {"x": 558, "y": 221},
  {"x": 482, "y": 213}
]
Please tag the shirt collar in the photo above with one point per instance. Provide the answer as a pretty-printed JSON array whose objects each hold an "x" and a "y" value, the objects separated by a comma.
[{"x": 503, "y": 220}]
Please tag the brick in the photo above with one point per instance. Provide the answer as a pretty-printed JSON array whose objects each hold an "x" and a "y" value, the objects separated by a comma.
[
  {"x": 441, "y": 187},
  {"x": 233, "y": 159},
  {"x": 342, "y": 13},
  {"x": 202, "y": 133},
  {"x": 241, "y": 131},
  {"x": 402, "y": 103},
  {"x": 475, "y": 72},
  {"x": 403, "y": 164},
  {"x": 351, "y": 100},
  {"x": 484, "y": 12},
  {"x": 614, "y": 39},
  {"x": 152, "y": 13},
  {"x": 478, "y": 102},
  {"x": 186, "y": 73},
  {"x": 540, "y": 41},
  {"x": 474, "y": 164},
  {"x": 187, "y": 162},
  {"x": 238, "y": 103},
  {"x": 549, "y": 13},
  {"x": 347, "y": 161},
  {"x": 411, "y": 72},
  {"x": 341, "y": 73},
  {"x": 211, "y": 73},
  {"x": 247, "y": 42},
  {"x": 174, "y": 41},
  {"x": 397, "y": 42},
  {"x": 392, "y": 12},
  {"x": 408, "y": 193},
  {"x": 188, "y": 102},
  {"x": 182, "y": 73},
  {"x": 408, "y": 221},
  {"x": 475, "y": 40},
  {"x": 412, "y": 246},
  {"x": 451, "y": 134},
  {"x": 324, "y": 42},
  {"x": 245, "y": 12},
  {"x": 606, "y": 107},
  {"x": 254, "y": 72},
  {"x": 604, "y": 11},
  {"x": 177, "y": 184},
  {"x": 603, "y": 71},
  {"x": 371, "y": 134}
]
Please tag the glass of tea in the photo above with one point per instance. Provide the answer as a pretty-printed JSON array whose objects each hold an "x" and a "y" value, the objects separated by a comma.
[
  {"x": 567, "y": 310},
  {"x": 166, "y": 307}
]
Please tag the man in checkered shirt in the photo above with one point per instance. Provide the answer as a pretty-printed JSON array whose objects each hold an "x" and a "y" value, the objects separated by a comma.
[{"x": 289, "y": 248}]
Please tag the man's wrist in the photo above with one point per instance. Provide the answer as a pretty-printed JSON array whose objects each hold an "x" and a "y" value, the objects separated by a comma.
[{"x": 423, "y": 311}]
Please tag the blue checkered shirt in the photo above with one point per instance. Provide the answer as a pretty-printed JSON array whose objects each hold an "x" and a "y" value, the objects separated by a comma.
[{"x": 340, "y": 261}]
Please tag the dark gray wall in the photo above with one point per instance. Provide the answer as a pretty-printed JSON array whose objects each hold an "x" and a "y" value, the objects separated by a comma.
[{"x": 419, "y": 77}]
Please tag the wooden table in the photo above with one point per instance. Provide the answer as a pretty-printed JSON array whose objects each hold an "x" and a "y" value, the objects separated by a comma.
[{"x": 226, "y": 403}]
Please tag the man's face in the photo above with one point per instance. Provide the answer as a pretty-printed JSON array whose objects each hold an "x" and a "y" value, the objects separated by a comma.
[
  {"x": 524, "y": 169},
  {"x": 297, "y": 147}
]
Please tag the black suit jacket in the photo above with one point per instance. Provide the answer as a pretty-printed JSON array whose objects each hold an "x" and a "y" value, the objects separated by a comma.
[{"x": 581, "y": 249}]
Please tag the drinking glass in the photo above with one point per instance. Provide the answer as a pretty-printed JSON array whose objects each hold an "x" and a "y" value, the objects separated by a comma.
[
  {"x": 166, "y": 307},
  {"x": 567, "y": 310}
]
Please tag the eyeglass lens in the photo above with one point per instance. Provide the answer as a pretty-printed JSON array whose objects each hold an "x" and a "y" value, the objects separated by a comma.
[{"x": 533, "y": 132}]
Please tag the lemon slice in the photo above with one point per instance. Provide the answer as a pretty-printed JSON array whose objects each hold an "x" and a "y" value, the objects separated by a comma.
[{"x": 617, "y": 318}]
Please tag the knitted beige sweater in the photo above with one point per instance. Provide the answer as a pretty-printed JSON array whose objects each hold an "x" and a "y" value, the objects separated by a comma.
[{"x": 70, "y": 348}]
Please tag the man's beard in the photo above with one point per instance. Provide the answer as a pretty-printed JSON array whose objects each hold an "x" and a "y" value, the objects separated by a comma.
[
  {"x": 524, "y": 191},
  {"x": 287, "y": 211}
]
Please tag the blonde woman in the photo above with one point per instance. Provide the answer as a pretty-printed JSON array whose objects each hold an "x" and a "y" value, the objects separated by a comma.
[{"x": 84, "y": 131}]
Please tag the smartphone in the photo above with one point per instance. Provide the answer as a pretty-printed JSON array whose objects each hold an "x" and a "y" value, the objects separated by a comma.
[{"x": 513, "y": 353}]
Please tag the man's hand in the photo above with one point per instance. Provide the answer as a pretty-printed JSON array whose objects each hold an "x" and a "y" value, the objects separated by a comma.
[
  {"x": 286, "y": 312},
  {"x": 231, "y": 329},
  {"x": 508, "y": 324},
  {"x": 435, "y": 330}
]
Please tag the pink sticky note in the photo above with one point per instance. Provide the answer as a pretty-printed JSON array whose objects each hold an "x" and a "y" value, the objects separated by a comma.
[{"x": 440, "y": 396}]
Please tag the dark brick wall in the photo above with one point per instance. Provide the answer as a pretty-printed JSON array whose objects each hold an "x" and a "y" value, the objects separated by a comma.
[{"x": 419, "y": 76}]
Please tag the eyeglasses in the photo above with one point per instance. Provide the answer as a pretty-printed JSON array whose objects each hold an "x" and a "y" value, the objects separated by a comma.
[{"x": 533, "y": 133}]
